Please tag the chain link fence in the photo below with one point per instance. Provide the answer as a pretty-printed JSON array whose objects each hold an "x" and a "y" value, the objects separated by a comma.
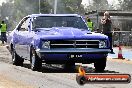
[{"x": 122, "y": 38}]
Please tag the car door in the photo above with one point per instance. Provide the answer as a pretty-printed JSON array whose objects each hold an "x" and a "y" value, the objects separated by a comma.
[{"x": 23, "y": 38}]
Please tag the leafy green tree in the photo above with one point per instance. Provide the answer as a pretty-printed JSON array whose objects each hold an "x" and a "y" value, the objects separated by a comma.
[
  {"x": 45, "y": 6},
  {"x": 15, "y": 10},
  {"x": 98, "y": 5},
  {"x": 126, "y": 5},
  {"x": 68, "y": 6}
]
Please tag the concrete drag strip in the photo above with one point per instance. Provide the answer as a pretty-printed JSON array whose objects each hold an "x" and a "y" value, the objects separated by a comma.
[
  {"x": 5, "y": 82},
  {"x": 23, "y": 77}
]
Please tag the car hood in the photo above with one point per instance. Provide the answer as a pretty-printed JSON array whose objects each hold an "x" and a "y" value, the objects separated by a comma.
[{"x": 67, "y": 33}]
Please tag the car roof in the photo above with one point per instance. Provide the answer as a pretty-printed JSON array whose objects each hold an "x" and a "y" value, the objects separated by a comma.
[{"x": 36, "y": 15}]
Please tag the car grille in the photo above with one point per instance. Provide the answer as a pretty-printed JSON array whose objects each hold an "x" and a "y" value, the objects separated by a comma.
[{"x": 74, "y": 44}]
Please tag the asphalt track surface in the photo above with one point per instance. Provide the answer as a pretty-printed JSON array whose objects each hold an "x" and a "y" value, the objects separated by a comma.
[{"x": 53, "y": 76}]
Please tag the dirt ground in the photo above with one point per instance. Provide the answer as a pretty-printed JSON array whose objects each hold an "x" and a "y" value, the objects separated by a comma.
[{"x": 5, "y": 82}]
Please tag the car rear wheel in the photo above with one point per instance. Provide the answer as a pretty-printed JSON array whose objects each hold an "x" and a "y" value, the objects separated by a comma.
[
  {"x": 16, "y": 59},
  {"x": 100, "y": 65},
  {"x": 36, "y": 62}
]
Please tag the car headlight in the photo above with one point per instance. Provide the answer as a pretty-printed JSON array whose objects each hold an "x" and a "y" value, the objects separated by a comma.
[
  {"x": 46, "y": 44},
  {"x": 102, "y": 44}
]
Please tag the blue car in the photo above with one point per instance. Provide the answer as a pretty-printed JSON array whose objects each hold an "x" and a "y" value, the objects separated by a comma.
[{"x": 57, "y": 39}]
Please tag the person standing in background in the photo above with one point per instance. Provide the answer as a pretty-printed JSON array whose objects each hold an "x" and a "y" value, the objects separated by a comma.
[
  {"x": 3, "y": 29},
  {"x": 89, "y": 24},
  {"x": 106, "y": 28}
]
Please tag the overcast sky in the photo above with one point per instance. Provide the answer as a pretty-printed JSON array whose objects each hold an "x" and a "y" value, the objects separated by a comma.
[{"x": 2, "y": 1}]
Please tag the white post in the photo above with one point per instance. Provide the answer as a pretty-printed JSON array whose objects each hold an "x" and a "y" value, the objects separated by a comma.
[
  {"x": 97, "y": 15},
  {"x": 55, "y": 6},
  {"x": 39, "y": 7}
]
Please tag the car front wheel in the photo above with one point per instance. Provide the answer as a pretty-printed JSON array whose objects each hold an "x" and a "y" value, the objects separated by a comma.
[
  {"x": 69, "y": 66},
  {"x": 36, "y": 62},
  {"x": 100, "y": 65}
]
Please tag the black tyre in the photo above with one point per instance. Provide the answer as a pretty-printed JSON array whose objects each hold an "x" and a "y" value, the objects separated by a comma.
[
  {"x": 16, "y": 59},
  {"x": 69, "y": 66},
  {"x": 100, "y": 65},
  {"x": 36, "y": 62}
]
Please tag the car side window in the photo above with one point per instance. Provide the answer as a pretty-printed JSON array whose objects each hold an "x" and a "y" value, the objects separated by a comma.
[{"x": 24, "y": 25}]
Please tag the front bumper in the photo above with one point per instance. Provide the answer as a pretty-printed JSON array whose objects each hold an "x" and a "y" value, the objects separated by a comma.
[
  {"x": 75, "y": 55},
  {"x": 74, "y": 50}
]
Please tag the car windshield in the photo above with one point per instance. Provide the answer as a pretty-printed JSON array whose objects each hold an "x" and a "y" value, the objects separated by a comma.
[{"x": 59, "y": 21}]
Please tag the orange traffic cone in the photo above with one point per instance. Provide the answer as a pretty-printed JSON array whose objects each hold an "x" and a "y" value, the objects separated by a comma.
[{"x": 120, "y": 53}]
